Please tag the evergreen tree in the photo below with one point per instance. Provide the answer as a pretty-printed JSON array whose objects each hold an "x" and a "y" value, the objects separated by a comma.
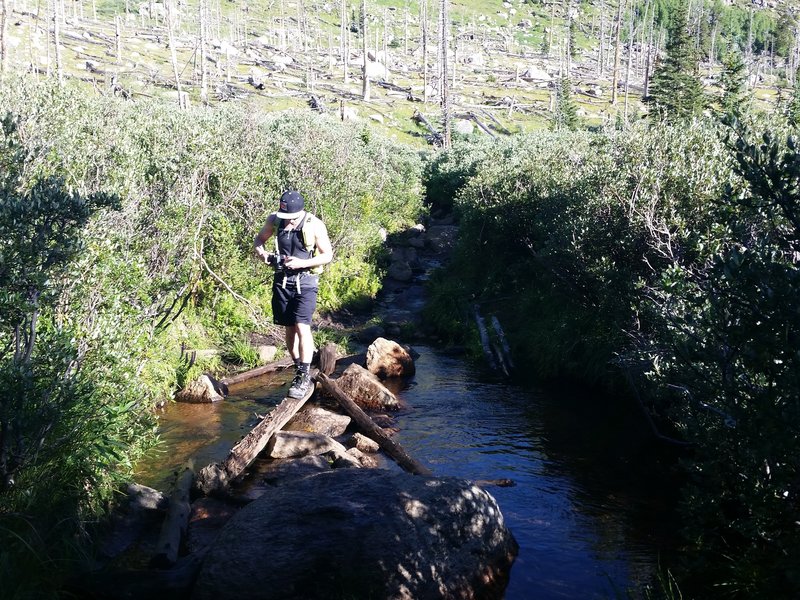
[
  {"x": 734, "y": 84},
  {"x": 676, "y": 92},
  {"x": 566, "y": 114},
  {"x": 794, "y": 102}
]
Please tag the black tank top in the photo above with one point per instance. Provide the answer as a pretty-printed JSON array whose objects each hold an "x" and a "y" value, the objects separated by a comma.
[{"x": 290, "y": 242}]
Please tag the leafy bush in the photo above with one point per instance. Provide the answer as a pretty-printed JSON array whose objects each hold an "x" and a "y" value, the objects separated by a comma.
[
  {"x": 667, "y": 258},
  {"x": 127, "y": 234}
]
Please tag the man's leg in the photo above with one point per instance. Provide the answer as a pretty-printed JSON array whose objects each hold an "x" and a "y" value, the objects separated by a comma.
[
  {"x": 305, "y": 347},
  {"x": 305, "y": 342},
  {"x": 293, "y": 345}
]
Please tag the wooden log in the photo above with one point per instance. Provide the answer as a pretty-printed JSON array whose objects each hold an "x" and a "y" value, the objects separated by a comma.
[
  {"x": 483, "y": 127},
  {"x": 327, "y": 358},
  {"x": 370, "y": 429},
  {"x": 214, "y": 478},
  {"x": 503, "y": 342},
  {"x": 177, "y": 521},
  {"x": 262, "y": 370},
  {"x": 484, "y": 335}
]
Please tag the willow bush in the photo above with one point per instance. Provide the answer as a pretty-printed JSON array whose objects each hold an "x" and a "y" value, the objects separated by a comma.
[
  {"x": 167, "y": 265},
  {"x": 665, "y": 258}
]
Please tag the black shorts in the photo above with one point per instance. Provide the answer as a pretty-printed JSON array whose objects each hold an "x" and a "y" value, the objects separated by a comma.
[{"x": 292, "y": 304}]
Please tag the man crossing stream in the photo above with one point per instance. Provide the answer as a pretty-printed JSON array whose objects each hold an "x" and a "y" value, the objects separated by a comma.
[{"x": 302, "y": 247}]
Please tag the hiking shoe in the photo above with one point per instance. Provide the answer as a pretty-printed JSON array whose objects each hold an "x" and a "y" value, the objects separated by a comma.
[{"x": 300, "y": 385}]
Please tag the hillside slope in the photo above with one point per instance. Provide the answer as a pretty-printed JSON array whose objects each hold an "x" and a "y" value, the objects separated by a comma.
[{"x": 504, "y": 58}]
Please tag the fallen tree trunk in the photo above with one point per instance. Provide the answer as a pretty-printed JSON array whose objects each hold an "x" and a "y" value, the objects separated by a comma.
[
  {"x": 217, "y": 476},
  {"x": 370, "y": 429},
  {"x": 263, "y": 370},
  {"x": 177, "y": 521},
  {"x": 484, "y": 335}
]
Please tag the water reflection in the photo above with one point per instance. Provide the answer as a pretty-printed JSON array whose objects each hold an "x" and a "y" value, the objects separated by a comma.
[{"x": 586, "y": 509}]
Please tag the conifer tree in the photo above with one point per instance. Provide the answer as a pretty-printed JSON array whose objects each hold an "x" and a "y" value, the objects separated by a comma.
[
  {"x": 733, "y": 82},
  {"x": 566, "y": 114},
  {"x": 794, "y": 102},
  {"x": 676, "y": 92}
]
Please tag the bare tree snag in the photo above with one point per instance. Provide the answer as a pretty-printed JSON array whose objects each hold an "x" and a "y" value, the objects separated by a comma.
[
  {"x": 370, "y": 429},
  {"x": 483, "y": 127},
  {"x": 177, "y": 521},
  {"x": 365, "y": 76},
  {"x": 615, "y": 74},
  {"x": 503, "y": 342},
  {"x": 203, "y": 32},
  {"x": 216, "y": 477},
  {"x": 423, "y": 9},
  {"x": 3, "y": 30},
  {"x": 173, "y": 56},
  {"x": 57, "y": 41},
  {"x": 443, "y": 50},
  {"x": 484, "y": 335},
  {"x": 118, "y": 39}
]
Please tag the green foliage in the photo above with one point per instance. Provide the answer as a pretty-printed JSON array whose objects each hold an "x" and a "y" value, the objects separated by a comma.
[
  {"x": 793, "y": 110},
  {"x": 676, "y": 93},
  {"x": 240, "y": 352},
  {"x": 95, "y": 303},
  {"x": 734, "y": 85},
  {"x": 566, "y": 114},
  {"x": 668, "y": 256}
]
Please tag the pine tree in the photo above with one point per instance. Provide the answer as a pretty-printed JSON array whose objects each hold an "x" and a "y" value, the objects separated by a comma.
[
  {"x": 566, "y": 114},
  {"x": 794, "y": 102},
  {"x": 676, "y": 92},
  {"x": 733, "y": 83}
]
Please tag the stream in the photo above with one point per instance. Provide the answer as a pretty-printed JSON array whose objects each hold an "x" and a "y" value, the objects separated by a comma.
[
  {"x": 591, "y": 503},
  {"x": 588, "y": 508}
]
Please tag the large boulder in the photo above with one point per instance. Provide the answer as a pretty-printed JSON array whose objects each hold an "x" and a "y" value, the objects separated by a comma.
[
  {"x": 386, "y": 358},
  {"x": 366, "y": 389},
  {"x": 354, "y": 533},
  {"x": 205, "y": 389},
  {"x": 318, "y": 420}
]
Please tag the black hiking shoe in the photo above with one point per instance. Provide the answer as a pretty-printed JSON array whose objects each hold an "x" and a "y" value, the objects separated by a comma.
[{"x": 300, "y": 385}]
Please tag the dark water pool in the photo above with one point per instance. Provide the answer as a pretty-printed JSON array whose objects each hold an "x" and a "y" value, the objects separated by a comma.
[{"x": 590, "y": 506}]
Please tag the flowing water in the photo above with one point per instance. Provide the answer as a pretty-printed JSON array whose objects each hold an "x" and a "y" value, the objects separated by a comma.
[{"x": 589, "y": 503}]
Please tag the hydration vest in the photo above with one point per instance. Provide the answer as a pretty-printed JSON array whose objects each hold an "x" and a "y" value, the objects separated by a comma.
[{"x": 307, "y": 237}]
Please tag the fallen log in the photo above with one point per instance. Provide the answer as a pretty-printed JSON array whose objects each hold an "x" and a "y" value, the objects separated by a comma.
[
  {"x": 370, "y": 429},
  {"x": 484, "y": 335},
  {"x": 262, "y": 370},
  {"x": 483, "y": 127},
  {"x": 503, "y": 342},
  {"x": 176, "y": 523},
  {"x": 215, "y": 477}
]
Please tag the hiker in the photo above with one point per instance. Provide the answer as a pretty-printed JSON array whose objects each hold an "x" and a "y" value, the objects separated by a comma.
[{"x": 301, "y": 247}]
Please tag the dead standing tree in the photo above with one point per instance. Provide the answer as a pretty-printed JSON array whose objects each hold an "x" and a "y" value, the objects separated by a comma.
[
  {"x": 364, "y": 71},
  {"x": 423, "y": 22},
  {"x": 615, "y": 74},
  {"x": 3, "y": 30},
  {"x": 173, "y": 56},
  {"x": 444, "y": 28}
]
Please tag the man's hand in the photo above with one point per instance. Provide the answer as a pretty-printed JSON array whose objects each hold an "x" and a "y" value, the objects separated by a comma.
[
  {"x": 293, "y": 262},
  {"x": 260, "y": 254}
]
